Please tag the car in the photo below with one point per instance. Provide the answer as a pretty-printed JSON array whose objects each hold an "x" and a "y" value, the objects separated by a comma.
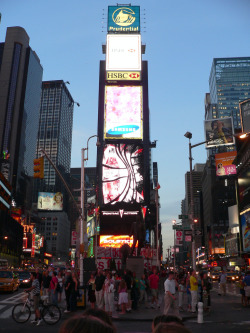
[
  {"x": 8, "y": 281},
  {"x": 233, "y": 276},
  {"x": 214, "y": 276},
  {"x": 24, "y": 278}
]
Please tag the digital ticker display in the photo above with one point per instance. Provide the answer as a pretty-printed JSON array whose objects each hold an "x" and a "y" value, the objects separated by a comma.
[
  {"x": 122, "y": 174},
  {"x": 123, "y": 112}
]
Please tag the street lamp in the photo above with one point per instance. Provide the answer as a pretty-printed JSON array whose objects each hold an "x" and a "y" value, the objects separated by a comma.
[{"x": 83, "y": 225}]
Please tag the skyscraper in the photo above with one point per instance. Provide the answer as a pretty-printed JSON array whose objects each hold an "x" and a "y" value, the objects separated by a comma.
[
  {"x": 55, "y": 132},
  {"x": 229, "y": 84},
  {"x": 20, "y": 91}
]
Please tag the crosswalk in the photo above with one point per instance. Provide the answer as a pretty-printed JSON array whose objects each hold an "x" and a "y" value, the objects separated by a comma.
[{"x": 6, "y": 305}]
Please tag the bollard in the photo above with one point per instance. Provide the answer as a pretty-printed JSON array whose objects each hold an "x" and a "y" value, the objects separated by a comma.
[{"x": 200, "y": 313}]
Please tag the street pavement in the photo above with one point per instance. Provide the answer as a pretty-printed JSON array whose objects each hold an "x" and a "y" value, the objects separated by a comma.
[{"x": 227, "y": 315}]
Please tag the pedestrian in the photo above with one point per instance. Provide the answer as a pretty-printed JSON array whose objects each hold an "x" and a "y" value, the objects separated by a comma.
[
  {"x": 189, "y": 299},
  {"x": 73, "y": 292},
  {"x": 123, "y": 296},
  {"x": 206, "y": 286},
  {"x": 45, "y": 286},
  {"x": 109, "y": 288},
  {"x": 194, "y": 290},
  {"x": 39, "y": 276},
  {"x": 135, "y": 292},
  {"x": 91, "y": 291},
  {"x": 241, "y": 285},
  {"x": 246, "y": 282},
  {"x": 35, "y": 288},
  {"x": 143, "y": 291},
  {"x": 54, "y": 289},
  {"x": 223, "y": 281},
  {"x": 128, "y": 280},
  {"x": 60, "y": 282},
  {"x": 170, "y": 299},
  {"x": 182, "y": 290},
  {"x": 99, "y": 281},
  {"x": 153, "y": 284}
]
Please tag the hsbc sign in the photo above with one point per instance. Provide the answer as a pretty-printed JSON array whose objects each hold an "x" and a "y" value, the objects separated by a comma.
[{"x": 123, "y": 76}]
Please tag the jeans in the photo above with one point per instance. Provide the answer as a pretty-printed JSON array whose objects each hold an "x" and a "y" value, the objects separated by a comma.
[{"x": 54, "y": 297}]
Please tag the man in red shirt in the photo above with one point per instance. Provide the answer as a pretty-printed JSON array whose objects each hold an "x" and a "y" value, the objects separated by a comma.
[{"x": 153, "y": 284}]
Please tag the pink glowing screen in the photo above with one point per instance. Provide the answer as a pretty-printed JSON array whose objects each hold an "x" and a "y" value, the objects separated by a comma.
[{"x": 123, "y": 112}]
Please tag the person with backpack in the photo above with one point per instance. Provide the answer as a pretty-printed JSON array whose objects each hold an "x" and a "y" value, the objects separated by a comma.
[{"x": 54, "y": 288}]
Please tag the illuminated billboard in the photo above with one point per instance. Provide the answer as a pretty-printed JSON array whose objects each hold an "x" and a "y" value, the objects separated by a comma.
[
  {"x": 224, "y": 164},
  {"x": 122, "y": 173},
  {"x": 115, "y": 241},
  {"x": 123, "y": 112},
  {"x": 245, "y": 225},
  {"x": 219, "y": 132},
  {"x": 50, "y": 201},
  {"x": 123, "y": 76},
  {"x": 124, "y": 18},
  {"x": 123, "y": 53},
  {"x": 245, "y": 116}
]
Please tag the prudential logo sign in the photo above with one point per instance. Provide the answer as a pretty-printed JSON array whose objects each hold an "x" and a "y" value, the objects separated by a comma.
[{"x": 124, "y": 19}]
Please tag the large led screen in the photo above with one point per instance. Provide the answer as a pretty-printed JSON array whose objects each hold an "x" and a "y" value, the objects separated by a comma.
[
  {"x": 219, "y": 132},
  {"x": 122, "y": 174},
  {"x": 224, "y": 163},
  {"x": 245, "y": 116},
  {"x": 123, "y": 112},
  {"x": 115, "y": 241},
  {"x": 123, "y": 52},
  {"x": 50, "y": 201},
  {"x": 245, "y": 225}
]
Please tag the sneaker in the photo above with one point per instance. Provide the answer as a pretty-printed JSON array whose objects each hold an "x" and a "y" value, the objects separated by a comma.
[
  {"x": 66, "y": 311},
  {"x": 39, "y": 322},
  {"x": 34, "y": 321}
]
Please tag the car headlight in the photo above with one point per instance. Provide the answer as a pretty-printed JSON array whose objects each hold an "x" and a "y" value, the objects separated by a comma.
[
  {"x": 213, "y": 277},
  {"x": 233, "y": 278},
  {"x": 25, "y": 281},
  {"x": 237, "y": 277}
]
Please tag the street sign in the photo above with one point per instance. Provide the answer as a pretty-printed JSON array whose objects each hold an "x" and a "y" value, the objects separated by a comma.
[
  {"x": 180, "y": 227},
  {"x": 188, "y": 232},
  {"x": 183, "y": 217},
  {"x": 188, "y": 238},
  {"x": 198, "y": 232}
]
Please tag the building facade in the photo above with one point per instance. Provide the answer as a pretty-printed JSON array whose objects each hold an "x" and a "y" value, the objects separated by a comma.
[
  {"x": 229, "y": 84},
  {"x": 20, "y": 91}
]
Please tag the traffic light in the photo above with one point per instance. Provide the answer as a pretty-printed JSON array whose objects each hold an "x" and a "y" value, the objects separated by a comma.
[{"x": 39, "y": 167}]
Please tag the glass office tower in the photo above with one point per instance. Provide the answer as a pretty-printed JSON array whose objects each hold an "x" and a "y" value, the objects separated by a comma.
[
  {"x": 229, "y": 84},
  {"x": 55, "y": 132},
  {"x": 20, "y": 86}
]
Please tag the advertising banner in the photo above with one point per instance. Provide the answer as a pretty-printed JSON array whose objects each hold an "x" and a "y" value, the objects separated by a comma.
[
  {"x": 123, "y": 19},
  {"x": 244, "y": 190},
  {"x": 73, "y": 238},
  {"x": 245, "y": 227},
  {"x": 245, "y": 116},
  {"x": 224, "y": 164},
  {"x": 50, "y": 201},
  {"x": 123, "y": 53},
  {"x": 115, "y": 241},
  {"x": 123, "y": 112},
  {"x": 122, "y": 174},
  {"x": 105, "y": 264},
  {"x": 178, "y": 237},
  {"x": 123, "y": 76},
  {"x": 219, "y": 132}
]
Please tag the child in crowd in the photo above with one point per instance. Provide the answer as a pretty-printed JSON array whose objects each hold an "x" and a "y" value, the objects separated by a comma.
[{"x": 123, "y": 296}]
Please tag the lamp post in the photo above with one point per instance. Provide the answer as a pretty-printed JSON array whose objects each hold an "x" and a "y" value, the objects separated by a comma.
[{"x": 83, "y": 225}]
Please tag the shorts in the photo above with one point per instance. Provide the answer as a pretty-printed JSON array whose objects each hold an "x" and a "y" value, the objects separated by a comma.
[
  {"x": 36, "y": 302},
  {"x": 154, "y": 292}
]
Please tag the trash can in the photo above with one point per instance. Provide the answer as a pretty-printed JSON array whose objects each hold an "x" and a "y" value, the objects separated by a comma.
[{"x": 81, "y": 298}]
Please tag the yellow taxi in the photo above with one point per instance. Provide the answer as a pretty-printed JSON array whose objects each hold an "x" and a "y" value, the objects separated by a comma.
[{"x": 8, "y": 281}]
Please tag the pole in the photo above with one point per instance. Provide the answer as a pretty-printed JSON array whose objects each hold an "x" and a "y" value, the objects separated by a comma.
[
  {"x": 82, "y": 223},
  {"x": 192, "y": 205},
  {"x": 157, "y": 227},
  {"x": 174, "y": 252}
]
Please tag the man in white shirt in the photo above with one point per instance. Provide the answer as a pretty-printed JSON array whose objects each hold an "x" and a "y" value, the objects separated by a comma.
[{"x": 170, "y": 298}]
